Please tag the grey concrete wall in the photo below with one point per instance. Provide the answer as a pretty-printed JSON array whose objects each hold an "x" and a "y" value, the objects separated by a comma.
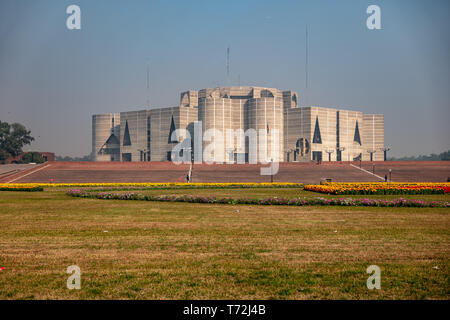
[
  {"x": 266, "y": 114},
  {"x": 297, "y": 126},
  {"x": 101, "y": 130},
  {"x": 244, "y": 108},
  {"x": 373, "y": 136}
]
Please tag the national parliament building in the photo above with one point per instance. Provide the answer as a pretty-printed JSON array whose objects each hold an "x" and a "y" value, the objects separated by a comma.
[{"x": 303, "y": 133}]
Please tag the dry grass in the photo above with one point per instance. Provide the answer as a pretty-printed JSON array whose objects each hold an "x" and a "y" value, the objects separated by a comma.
[{"x": 158, "y": 250}]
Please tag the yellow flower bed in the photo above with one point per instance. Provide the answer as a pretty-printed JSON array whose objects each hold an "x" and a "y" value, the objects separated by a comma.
[
  {"x": 380, "y": 188},
  {"x": 20, "y": 188},
  {"x": 162, "y": 185}
]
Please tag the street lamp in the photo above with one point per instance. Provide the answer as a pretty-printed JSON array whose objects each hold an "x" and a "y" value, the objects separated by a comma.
[
  {"x": 230, "y": 152},
  {"x": 329, "y": 151},
  {"x": 385, "y": 150},
  {"x": 142, "y": 152},
  {"x": 339, "y": 153},
  {"x": 293, "y": 154},
  {"x": 371, "y": 151},
  {"x": 191, "y": 168},
  {"x": 390, "y": 175},
  {"x": 271, "y": 173}
]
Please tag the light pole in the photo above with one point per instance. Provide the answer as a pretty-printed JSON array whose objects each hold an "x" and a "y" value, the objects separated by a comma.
[
  {"x": 385, "y": 150},
  {"x": 271, "y": 173},
  {"x": 339, "y": 153},
  {"x": 191, "y": 168},
  {"x": 329, "y": 151},
  {"x": 293, "y": 155},
  {"x": 142, "y": 154},
  {"x": 371, "y": 152},
  {"x": 390, "y": 175},
  {"x": 230, "y": 152}
]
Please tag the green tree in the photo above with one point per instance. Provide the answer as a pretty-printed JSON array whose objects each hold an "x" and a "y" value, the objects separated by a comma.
[
  {"x": 3, "y": 156},
  {"x": 35, "y": 157},
  {"x": 13, "y": 137}
]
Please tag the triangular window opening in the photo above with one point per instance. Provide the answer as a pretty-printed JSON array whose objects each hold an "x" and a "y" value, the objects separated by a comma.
[
  {"x": 112, "y": 140},
  {"x": 126, "y": 136},
  {"x": 317, "y": 138},
  {"x": 172, "y": 129},
  {"x": 357, "y": 137}
]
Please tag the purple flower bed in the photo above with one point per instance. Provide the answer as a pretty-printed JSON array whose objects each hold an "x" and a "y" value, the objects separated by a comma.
[{"x": 317, "y": 201}]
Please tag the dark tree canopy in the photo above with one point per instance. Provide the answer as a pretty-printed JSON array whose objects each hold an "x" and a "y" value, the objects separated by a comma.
[
  {"x": 444, "y": 156},
  {"x": 35, "y": 157},
  {"x": 13, "y": 137},
  {"x": 67, "y": 158}
]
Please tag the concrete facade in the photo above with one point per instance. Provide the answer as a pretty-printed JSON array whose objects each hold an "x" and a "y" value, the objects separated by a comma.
[
  {"x": 229, "y": 116},
  {"x": 106, "y": 128},
  {"x": 240, "y": 109}
]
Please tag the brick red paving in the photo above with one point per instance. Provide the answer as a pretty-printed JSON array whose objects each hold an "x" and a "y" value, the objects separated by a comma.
[
  {"x": 67, "y": 172},
  {"x": 412, "y": 171},
  {"x": 7, "y": 168}
]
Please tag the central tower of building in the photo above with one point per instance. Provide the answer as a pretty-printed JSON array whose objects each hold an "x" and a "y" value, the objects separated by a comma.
[{"x": 239, "y": 110}]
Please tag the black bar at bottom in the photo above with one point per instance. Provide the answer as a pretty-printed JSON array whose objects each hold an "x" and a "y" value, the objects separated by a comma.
[{"x": 229, "y": 309}]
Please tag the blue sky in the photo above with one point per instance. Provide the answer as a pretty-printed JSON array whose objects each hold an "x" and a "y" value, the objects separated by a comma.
[{"x": 53, "y": 79}]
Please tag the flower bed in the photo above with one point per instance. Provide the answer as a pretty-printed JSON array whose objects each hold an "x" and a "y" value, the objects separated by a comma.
[
  {"x": 170, "y": 185},
  {"x": 266, "y": 201},
  {"x": 21, "y": 188},
  {"x": 380, "y": 188}
]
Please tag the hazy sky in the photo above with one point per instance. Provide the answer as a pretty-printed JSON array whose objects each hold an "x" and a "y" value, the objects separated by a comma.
[{"x": 53, "y": 79}]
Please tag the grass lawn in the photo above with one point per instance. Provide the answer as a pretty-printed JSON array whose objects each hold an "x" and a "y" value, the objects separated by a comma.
[{"x": 158, "y": 250}]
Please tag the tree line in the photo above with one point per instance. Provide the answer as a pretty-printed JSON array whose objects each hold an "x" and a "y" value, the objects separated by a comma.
[
  {"x": 13, "y": 137},
  {"x": 67, "y": 158},
  {"x": 444, "y": 156}
]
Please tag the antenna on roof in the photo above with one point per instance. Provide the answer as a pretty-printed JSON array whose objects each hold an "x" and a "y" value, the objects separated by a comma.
[
  {"x": 148, "y": 84},
  {"x": 228, "y": 65},
  {"x": 306, "y": 67}
]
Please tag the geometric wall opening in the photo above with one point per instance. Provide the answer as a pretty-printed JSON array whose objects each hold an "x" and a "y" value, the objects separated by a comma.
[
  {"x": 317, "y": 137},
  {"x": 357, "y": 137},
  {"x": 173, "y": 139},
  {"x": 126, "y": 136}
]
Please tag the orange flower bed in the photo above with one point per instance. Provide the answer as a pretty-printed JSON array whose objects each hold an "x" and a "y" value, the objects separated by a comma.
[{"x": 380, "y": 188}]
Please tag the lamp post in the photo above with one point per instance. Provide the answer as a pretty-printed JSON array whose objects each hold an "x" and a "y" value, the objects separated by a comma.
[
  {"x": 390, "y": 175},
  {"x": 293, "y": 151},
  {"x": 230, "y": 152},
  {"x": 329, "y": 151},
  {"x": 339, "y": 152},
  {"x": 271, "y": 173},
  {"x": 191, "y": 168},
  {"x": 142, "y": 154},
  {"x": 385, "y": 150},
  {"x": 371, "y": 152},
  {"x": 294, "y": 154}
]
